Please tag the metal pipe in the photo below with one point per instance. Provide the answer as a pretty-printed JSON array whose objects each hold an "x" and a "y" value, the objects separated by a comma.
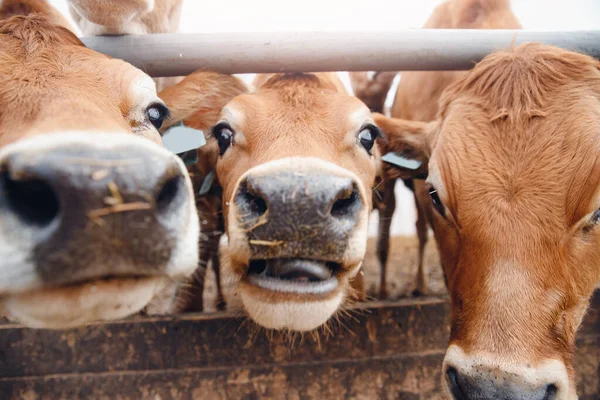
[{"x": 417, "y": 49}]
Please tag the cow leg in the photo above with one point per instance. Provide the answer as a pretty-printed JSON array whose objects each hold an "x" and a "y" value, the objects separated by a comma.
[
  {"x": 216, "y": 266},
  {"x": 196, "y": 289},
  {"x": 386, "y": 212},
  {"x": 358, "y": 285},
  {"x": 422, "y": 233}
]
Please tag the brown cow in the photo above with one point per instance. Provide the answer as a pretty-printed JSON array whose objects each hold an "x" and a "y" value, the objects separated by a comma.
[
  {"x": 416, "y": 99},
  {"x": 296, "y": 168},
  {"x": 95, "y": 217},
  {"x": 196, "y": 104},
  {"x": 513, "y": 180}
]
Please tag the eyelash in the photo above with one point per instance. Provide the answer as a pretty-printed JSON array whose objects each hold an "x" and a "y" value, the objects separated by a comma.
[{"x": 595, "y": 220}]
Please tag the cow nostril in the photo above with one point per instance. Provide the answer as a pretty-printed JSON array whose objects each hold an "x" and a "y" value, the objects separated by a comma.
[
  {"x": 452, "y": 376},
  {"x": 257, "y": 267},
  {"x": 551, "y": 392},
  {"x": 250, "y": 204},
  {"x": 33, "y": 201},
  {"x": 168, "y": 193},
  {"x": 346, "y": 204}
]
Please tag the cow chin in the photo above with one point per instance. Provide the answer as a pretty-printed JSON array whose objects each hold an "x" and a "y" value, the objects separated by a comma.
[
  {"x": 288, "y": 314},
  {"x": 74, "y": 305}
]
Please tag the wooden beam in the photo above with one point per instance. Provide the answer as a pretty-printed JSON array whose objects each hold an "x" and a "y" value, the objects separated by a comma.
[{"x": 383, "y": 350}]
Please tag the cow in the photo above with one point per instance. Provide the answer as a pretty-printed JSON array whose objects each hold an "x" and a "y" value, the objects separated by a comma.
[
  {"x": 185, "y": 96},
  {"x": 197, "y": 98},
  {"x": 96, "y": 217},
  {"x": 416, "y": 99},
  {"x": 513, "y": 180},
  {"x": 296, "y": 165}
]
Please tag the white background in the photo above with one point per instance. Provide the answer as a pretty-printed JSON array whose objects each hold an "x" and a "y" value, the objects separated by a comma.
[
  {"x": 372, "y": 15},
  {"x": 285, "y": 15}
]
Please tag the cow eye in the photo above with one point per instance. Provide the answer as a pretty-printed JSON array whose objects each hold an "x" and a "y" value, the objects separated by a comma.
[
  {"x": 435, "y": 200},
  {"x": 367, "y": 136},
  {"x": 156, "y": 114},
  {"x": 596, "y": 217},
  {"x": 594, "y": 220},
  {"x": 224, "y": 135}
]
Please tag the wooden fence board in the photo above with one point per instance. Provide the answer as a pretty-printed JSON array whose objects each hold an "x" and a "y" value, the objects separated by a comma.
[
  {"x": 389, "y": 350},
  {"x": 384, "y": 329}
]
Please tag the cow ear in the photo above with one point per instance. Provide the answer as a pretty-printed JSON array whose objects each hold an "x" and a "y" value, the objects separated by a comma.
[
  {"x": 404, "y": 145},
  {"x": 199, "y": 98}
]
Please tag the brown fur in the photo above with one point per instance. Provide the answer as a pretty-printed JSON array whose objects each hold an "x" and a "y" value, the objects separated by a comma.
[
  {"x": 9, "y": 8},
  {"x": 514, "y": 155},
  {"x": 416, "y": 99},
  {"x": 57, "y": 66}
]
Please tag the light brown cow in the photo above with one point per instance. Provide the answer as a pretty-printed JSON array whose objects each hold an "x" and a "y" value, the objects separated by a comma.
[
  {"x": 416, "y": 99},
  {"x": 95, "y": 217},
  {"x": 296, "y": 169},
  {"x": 513, "y": 179},
  {"x": 197, "y": 103}
]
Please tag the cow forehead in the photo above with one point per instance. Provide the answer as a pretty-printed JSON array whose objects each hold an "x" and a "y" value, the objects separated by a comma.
[
  {"x": 502, "y": 168},
  {"x": 321, "y": 111},
  {"x": 69, "y": 83}
]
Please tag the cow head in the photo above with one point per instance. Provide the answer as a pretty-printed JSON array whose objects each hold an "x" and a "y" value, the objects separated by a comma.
[{"x": 514, "y": 180}]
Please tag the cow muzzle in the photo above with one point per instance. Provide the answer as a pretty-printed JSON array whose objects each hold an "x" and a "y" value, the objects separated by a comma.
[
  {"x": 483, "y": 377},
  {"x": 87, "y": 222},
  {"x": 297, "y": 230}
]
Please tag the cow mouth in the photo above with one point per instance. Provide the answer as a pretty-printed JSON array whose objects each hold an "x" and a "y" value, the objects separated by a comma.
[
  {"x": 107, "y": 279},
  {"x": 294, "y": 275},
  {"x": 75, "y": 304}
]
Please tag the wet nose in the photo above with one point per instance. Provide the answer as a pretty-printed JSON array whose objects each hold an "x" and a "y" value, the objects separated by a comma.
[
  {"x": 497, "y": 386},
  {"x": 91, "y": 210},
  {"x": 308, "y": 214}
]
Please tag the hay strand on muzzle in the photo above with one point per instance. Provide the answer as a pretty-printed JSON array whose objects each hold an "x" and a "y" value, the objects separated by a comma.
[
  {"x": 267, "y": 243},
  {"x": 115, "y": 193},
  {"x": 118, "y": 208}
]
